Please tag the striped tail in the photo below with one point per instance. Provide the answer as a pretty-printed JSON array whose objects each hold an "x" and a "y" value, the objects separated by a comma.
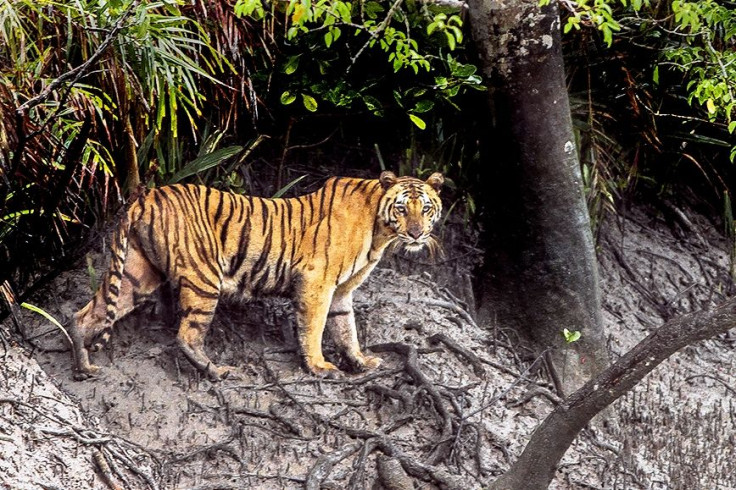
[{"x": 114, "y": 280}]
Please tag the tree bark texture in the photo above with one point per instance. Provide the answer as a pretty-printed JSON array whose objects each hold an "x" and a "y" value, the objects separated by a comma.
[
  {"x": 540, "y": 269},
  {"x": 537, "y": 464}
]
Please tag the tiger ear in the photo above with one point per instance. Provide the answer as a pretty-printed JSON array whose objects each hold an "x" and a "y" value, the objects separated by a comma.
[
  {"x": 387, "y": 179},
  {"x": 435, "y": 181}
]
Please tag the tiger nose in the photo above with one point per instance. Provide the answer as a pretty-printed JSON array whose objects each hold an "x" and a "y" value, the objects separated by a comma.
[{"x": 414, "y": 231}]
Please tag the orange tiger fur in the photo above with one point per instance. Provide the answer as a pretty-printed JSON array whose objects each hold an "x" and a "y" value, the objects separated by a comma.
[{"x": 316, "y": 248}]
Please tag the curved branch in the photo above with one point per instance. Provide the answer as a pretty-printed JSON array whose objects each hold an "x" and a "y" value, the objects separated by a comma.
[{"x": 537, "y": 464}]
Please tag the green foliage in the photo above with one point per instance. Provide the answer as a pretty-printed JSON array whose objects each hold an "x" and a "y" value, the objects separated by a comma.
[
  {"x": 707, "y": 57},
  {"x": 81, "y": 84},
  {"x": 656, "y": 106},
  {"x": 366, "y": 55}
]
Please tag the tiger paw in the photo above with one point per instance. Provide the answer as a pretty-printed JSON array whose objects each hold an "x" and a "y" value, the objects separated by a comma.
[
  {"x": 323, "y": 368},
  {"x": 370, "y": 362},
  {"x": 89, "y": 371},
  {"x": 219, "y": 373}
]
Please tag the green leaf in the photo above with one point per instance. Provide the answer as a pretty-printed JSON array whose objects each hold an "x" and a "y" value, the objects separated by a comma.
[
  {"x": 732, "y": 126},
  {"x": 655, "y": 75},
  {"x": 571, "y": 337},
  {"x": 287, "y": 97},
  {"x": 291, "y": 64},
  {"x": 288, "y": 186},
  {"x": 450, "y": 40},
  {"x": 49, "y": 317},
  {"x": 418, "y": 121},
  {"x": 464, "y": 71},
  {"x": 458, "y": 33},
  {"x": 205, "y": 162},
  {"x": 423, "y": 106},
  {"x": 310, "y": 103}
]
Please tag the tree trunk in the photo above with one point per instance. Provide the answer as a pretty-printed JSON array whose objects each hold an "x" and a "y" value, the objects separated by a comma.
[
  {"x": 540, "y": 270},
  {"x": 537, "y": 465}
]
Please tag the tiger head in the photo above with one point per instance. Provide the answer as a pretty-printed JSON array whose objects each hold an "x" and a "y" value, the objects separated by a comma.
[{"x": 410, "y": 208}]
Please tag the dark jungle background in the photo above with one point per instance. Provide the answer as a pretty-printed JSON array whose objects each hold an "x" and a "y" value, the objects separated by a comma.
[{"x": 99, "y": 99}]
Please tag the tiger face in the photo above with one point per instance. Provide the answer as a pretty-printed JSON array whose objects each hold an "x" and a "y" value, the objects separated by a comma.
[{"x": 410, "y": 208}]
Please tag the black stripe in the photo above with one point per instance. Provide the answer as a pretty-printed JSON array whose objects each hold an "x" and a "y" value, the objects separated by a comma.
[
  {"x": 265, "y": 213},
  {"x": 260, "y": 285},
  {"x": 202, "y": 293},
  {"x": 355, "y": 263},
  {"x": 242, "y": 253},
  {"x": 133, "y": 280},
  {"x": 226, "y": 224},
  {"x": 220, "y": 205},
  {"x": 339, "y": 273},
  {"x": 261, "y": 261},
  {"x": 310, "y": 201},
  {"x": 328, "y": 242},
  {"x": 359, "y": 188},
  {"x": 322, "y": 211},
  {"x": 302, "y": 215},
  {"x": 333, "y": 314},
  {"x": 345, "y": 188},
  {"x": 369, "y": 194},
  {"x": 196, "y": 311}
]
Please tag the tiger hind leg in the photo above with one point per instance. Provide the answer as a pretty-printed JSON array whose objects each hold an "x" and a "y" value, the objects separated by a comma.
[{"x": 92, "y": 326}]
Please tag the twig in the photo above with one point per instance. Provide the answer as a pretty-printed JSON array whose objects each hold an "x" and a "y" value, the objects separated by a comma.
[
  {"x": 535, "y": 392},
  {"x": 714, "y": 378},
  {"x": 76, "y": 73},
  {"x": 391, "y": 474},
  {"x": 223, "y": 446},
  {"x": 356, "y": 480},
  {"x": 374, "y": 34},
  {"x": 508, "y": 389}
]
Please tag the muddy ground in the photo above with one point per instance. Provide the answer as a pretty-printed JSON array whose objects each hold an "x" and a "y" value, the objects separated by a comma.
[{"x": 449, "y": 406}]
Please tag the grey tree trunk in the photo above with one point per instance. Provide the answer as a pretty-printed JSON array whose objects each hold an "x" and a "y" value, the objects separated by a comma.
[{"x": 541, "y": 269}]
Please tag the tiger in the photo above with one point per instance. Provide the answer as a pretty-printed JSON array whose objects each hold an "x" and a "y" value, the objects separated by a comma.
[{"x": 207, "y": 245}]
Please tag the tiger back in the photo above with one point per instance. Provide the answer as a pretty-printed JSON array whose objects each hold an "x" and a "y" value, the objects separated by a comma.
[{"x": 316, "y": 249}]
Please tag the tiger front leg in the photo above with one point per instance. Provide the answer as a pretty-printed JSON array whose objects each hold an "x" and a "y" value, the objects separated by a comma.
[
  {"x": 311, "y": 315},
  {"x": 341, "y": 325},
  {"x": 197, "y": 310}
]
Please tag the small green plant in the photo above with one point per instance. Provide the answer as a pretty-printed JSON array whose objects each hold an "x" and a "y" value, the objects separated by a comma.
[{"x": 571, "y": 336}]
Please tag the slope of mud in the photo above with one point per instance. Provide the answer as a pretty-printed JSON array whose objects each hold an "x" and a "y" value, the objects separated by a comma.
[{"x": 452, "y": 404}]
